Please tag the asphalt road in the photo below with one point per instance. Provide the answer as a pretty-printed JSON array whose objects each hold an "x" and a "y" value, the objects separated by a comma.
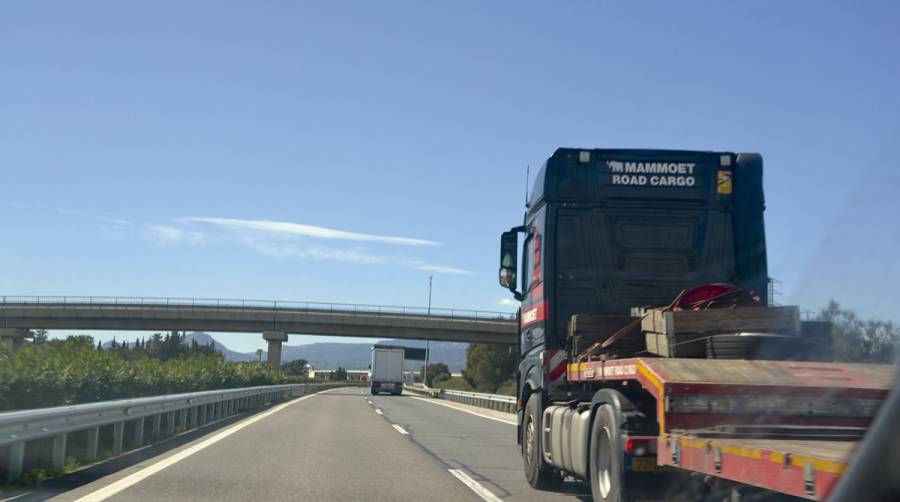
[{"x": 337, "y": 445}]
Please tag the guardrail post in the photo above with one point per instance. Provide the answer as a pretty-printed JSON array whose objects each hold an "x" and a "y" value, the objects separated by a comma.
[
  {"x": 170, "y": 422},
  {"x": 139, "y": 432},
  {"x": 93, "y": 441},
  {"x": 58, "y": 455},
  {"x": 203, "y": 413},
  {"x": 157, "y": 426},
  {"x": 118, "y": 437},
  {"x": 195, "y": 417},
  {"x": 15, "y": 461}
]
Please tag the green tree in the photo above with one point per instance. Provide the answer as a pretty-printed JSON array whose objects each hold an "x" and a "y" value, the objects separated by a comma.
[
  {"x": 297, "y": 367},
  {"x": 489, "y": 365},
  {"x": 39, "y": 336},
  {"x": 436, "y": 373},
  {"x": 340, "y": 374},
  {"x": 859, "y": 340}
]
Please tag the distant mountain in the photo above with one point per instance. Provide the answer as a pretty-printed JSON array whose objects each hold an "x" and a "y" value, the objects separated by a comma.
[
  {"x": 346, "y": 355},
  {"x": 205, "y": 339}
]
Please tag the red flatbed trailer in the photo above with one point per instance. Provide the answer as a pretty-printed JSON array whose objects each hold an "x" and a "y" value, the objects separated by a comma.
[{"x": 785, "y": 426}]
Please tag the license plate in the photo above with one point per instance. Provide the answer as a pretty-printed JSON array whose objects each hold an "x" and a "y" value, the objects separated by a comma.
[{"x": 643, "y": 464}]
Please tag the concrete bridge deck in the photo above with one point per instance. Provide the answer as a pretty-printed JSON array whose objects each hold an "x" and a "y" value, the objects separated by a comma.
[{"x": 159, "y": 314}]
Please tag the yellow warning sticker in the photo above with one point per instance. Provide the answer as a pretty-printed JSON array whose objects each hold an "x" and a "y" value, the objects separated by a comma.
[{"x": 723, "y": 182}]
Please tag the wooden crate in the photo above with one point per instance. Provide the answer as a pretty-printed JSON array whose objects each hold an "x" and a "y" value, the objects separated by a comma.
[
  {"x": 676, "y": 345},
  {"x": 780, "y": 320},
  {"x": 684, "y": 333},
  {"x": 587, "y": 329}
]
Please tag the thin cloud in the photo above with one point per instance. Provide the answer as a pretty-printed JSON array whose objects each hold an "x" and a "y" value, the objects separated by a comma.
[
  {"x": 172, "y": 235},
  {"x": 358, "y": 256},
  {"x": 290, "y": 250},
  {"x": 70, "y": 212},
  {"x": 508, "y": 301},
  {"x": 287, "y": 228},
  {"x": 441, "y": 269},
  {"x": 291, "y": 240}
]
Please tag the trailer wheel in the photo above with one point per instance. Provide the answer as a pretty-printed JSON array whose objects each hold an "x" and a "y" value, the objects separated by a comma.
[
  {"x": 607, "y": 472},
  {"x": 538, "y": 475}
]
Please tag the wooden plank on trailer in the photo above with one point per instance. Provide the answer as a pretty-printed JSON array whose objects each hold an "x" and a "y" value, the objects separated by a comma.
[
  {"x": 676, "y": 345},
  {"x": 784, "y": 320},
  {"x": 587, "y": 329},
  {"x": 597, "y": 325}
]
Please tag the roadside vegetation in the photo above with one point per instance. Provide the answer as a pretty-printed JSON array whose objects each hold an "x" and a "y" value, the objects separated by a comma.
[
  {"x": 75, "y": 370},
  {"x": 491, "y": 368},
  {"x": 861, "y": 340}
]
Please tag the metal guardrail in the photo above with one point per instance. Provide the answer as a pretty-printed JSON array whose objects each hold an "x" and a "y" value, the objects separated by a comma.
[
  {"x": 490, "y": 401},
  {"x": 269, "y": 305},
  {"x": 167, "y": 415}
]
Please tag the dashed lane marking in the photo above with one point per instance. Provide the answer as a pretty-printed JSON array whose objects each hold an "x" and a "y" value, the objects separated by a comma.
[
  {"x": 379, "y": 411},
  {"x": 401, "y": 430},
  {"x": 475, "y": 486}
]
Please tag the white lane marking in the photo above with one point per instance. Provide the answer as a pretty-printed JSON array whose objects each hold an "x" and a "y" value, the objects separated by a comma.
[
  {"x": 475, "y": 486},
  {"x": 432, "y": 401},
  {"x": 378, "y": 411},
  {"x": 401, "y": 430},
  {"x": 114, "y": 488}
]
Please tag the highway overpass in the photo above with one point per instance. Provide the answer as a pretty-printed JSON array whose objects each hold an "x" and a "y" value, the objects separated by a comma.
[{"x": 276, "y": 320}]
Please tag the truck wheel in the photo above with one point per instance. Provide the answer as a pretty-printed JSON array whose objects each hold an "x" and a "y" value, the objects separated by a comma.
[
  {"x": 607, "y": 471},
  {"x": 538, "y": 475}
]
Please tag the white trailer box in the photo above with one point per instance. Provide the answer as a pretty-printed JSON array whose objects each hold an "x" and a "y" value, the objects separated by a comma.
[{"x": 387, "y": 369}]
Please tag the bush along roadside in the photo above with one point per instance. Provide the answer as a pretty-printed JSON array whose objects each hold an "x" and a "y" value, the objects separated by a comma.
[{"x": 74, "y": 371}]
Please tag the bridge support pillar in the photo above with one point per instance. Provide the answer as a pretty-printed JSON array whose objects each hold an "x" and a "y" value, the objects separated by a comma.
[
  {"x": 13, "y": 338},
  {"x": 275, "y": 339}
]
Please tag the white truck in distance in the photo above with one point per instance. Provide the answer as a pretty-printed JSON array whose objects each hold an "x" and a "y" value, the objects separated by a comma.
[{"x": 387, "y": 369}]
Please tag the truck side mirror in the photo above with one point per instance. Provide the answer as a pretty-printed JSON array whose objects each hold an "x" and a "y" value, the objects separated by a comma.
[{"x": 509, "y": 264}]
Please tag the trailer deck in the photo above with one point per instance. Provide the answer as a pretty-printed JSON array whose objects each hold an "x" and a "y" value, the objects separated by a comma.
[{"x": 781, "y": 425}]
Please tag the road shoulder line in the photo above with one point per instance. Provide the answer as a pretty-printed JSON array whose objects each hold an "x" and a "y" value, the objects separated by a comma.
[
  {"x": 132, "y": 479},
  {"x": 432, "y": 401}
]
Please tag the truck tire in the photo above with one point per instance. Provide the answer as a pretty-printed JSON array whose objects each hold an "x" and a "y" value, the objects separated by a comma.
[
  {"x": 536, "y": 472},
  {"x": 607, "y": 470}
]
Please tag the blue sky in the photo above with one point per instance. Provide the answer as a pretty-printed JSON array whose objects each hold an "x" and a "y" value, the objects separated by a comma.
[{"x": 214, "y": 149}]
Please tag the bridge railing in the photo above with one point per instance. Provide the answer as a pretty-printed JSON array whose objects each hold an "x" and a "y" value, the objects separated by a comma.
[
  {"x": 491, "y": 401},
  {"x": 273, "y": 305},
  {"x": 134, "y": 422}
]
